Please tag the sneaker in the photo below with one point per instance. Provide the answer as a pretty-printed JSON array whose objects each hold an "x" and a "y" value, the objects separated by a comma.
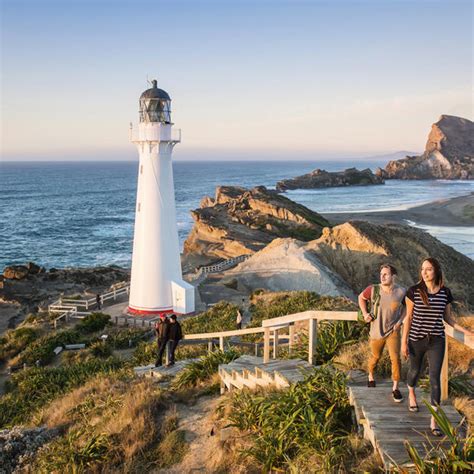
[
  {"x": 158, "y": 364},
  {"x": 397, "y": 396},
  {"x": 169, "y": 364},
  {"x": 371, "y": 383}
]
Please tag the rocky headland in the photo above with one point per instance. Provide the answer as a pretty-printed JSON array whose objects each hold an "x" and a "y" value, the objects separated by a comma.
[
  {"x": 325, "y": 179},
  {"x": 449, "y": 154},
  {"x": 239, "y": 221}
]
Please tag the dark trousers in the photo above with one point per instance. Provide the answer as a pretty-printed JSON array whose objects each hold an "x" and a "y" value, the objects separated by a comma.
[
  {"x": 173, "y": 346},
  {"x": 162, "y": 343},
  {"x": 433, "y": 347}
]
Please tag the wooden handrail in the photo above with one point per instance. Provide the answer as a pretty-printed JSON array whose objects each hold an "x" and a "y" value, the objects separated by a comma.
[
  {"x": 305, "y": 315},
  {"x": 459, "y": 336},
  {"x": 236, "y": 332}
]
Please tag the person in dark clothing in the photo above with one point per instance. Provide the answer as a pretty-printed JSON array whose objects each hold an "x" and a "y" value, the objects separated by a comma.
[
  {"x": 175, "y": 335},
  {"x": 162, "y": 337},
  {"x": 428, "y": 307},
  {"x": 98, "y": 301}
]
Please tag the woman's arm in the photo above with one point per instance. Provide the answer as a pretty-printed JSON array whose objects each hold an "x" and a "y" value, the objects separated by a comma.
[
  {"x": 407, "y": 325},
  {"x": 451, "y": 320}
]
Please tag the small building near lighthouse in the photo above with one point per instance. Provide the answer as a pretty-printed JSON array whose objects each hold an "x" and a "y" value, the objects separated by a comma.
[{"x": 157, "y": 284}]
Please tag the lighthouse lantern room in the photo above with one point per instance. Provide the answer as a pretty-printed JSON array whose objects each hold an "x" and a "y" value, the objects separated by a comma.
[{"x": 157, "y": 284}]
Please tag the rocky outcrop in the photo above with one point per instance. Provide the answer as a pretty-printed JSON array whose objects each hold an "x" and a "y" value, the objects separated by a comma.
[
  {"x": 324, "y": 179},
  {"x": 18, "y": 447},
  {"x": 18, "y": 272},
  {"x": 449, "y": 154},
  {"x": 284, "y": 265},
  {"x": 355, "y": 250},
  {"x": 239, "y": 221}
]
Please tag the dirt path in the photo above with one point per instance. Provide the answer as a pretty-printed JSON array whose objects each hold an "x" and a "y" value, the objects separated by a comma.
[{"x": 196, "y": 421}]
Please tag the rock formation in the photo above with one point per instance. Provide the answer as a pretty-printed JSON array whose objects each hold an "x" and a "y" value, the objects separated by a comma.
[
  {"x": 324, "y": 179},
  {"x": 239, "y": 221},
  {"x": 449, "y": 154},
  {"x": 285, "y": 265}
]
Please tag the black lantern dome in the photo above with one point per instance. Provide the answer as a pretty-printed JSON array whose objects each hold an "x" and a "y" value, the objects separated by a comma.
[{"x": 155, "y": 105}]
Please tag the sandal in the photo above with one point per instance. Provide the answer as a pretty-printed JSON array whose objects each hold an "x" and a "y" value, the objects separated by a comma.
[
  {"x": 414, "y": 408},
  {"x": 436, "y": 432}
]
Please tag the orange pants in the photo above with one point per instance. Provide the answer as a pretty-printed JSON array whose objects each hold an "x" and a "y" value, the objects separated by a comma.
[{"x": 393, "y": 344}]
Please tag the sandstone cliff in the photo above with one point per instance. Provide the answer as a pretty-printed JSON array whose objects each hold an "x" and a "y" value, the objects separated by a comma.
[
  {"x": 324, "y": 179},
  {"x": 449, "y": 154},
  {"x": 286, "y": 265},
  {"x": 238, "y": 221}
]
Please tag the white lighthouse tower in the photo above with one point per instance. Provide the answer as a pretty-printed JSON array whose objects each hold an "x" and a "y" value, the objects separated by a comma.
[{"x": 157, "y": 284}]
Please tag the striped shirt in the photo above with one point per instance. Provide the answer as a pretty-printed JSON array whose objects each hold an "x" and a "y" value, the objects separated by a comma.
[{"x": 428, "y": 320}]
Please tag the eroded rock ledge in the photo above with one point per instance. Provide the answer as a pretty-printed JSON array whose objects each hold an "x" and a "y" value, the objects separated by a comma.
[
  {"x": 239, "y": 221},
  {"x": 325, "y": 179}
]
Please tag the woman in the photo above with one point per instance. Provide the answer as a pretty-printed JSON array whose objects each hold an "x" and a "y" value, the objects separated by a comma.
[{"x": 428, "y": 303}]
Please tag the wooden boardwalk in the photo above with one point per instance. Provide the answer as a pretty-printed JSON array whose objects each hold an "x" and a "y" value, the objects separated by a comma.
[{"x": 387, "y": 425}]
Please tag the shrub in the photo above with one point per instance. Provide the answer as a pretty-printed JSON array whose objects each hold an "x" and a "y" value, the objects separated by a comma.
[
  {"x": 120, "y": 339},
  {"x": 273, "y": 305},
  {"x": 32, "y": 388},
  {"x": 16, "y": 340},
  {"x": 100, "y": 349},
  {"x": 221, "y": 317},
  {"x": 93, "y": 322},
  {"x": 111, "y": 424},
  {"x": 203, "y": 369},
  {"x": 43, "y": 349},
  {"x": 309, "y": 419}
]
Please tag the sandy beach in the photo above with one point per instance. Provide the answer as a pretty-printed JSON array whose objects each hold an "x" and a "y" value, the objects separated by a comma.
[{"x": 457, "y": 211}]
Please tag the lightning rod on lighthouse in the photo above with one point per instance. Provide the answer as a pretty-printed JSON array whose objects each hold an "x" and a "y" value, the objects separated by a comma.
[{"x": 157, "y": 284}]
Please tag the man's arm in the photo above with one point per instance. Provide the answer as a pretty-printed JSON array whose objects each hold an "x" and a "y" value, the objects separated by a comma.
[{"x": 363, "y": 307}]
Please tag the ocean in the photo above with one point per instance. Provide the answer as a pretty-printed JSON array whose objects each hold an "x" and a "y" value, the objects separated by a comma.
[{"x": 81, "y": 214}]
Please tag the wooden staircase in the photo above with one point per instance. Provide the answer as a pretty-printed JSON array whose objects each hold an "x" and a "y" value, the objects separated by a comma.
[{"x": 250, "y": 372}]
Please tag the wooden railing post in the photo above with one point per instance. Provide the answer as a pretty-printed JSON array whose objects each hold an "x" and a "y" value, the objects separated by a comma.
[
  {"x": 256, "y": 349},
  {"x": 266, "y": 346},
  {"x": 275, "y": 343},
  {"x": 291, "y": 331},
  {"x": 312, "y": 339},
  {"x": 209, "y": 346},
  {"x": 444, "y": 373},
  {"x": 221, "y": 343}
]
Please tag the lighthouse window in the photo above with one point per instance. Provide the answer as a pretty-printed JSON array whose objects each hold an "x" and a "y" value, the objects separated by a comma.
[
  {"x": 139, "y": 206},
  {"x": 141, "y": 169}
]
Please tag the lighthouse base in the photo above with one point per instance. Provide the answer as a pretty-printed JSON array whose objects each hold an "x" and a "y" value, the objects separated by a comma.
[{"x": 145, "y": 312}]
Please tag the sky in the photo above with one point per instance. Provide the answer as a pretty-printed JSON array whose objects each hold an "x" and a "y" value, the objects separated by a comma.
[{"x": 248, "y": 79}]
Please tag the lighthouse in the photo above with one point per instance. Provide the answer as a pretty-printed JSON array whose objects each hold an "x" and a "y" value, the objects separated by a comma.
[{"x": 157, "y": 284}]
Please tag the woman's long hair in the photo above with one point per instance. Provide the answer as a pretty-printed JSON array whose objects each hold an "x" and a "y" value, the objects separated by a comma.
[{"x": 439, "y": 280}]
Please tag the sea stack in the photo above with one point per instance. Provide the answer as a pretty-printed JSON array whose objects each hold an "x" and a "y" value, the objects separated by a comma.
[{"x": 157, "y": 284}]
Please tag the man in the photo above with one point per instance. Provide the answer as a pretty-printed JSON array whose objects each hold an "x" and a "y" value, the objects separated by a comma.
[
  {"x": 162, "y": 337},
  {"x": 387, "y": 301},
  {"x": 175, "y": 334},
  {"x": 98, "y": 300}
]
